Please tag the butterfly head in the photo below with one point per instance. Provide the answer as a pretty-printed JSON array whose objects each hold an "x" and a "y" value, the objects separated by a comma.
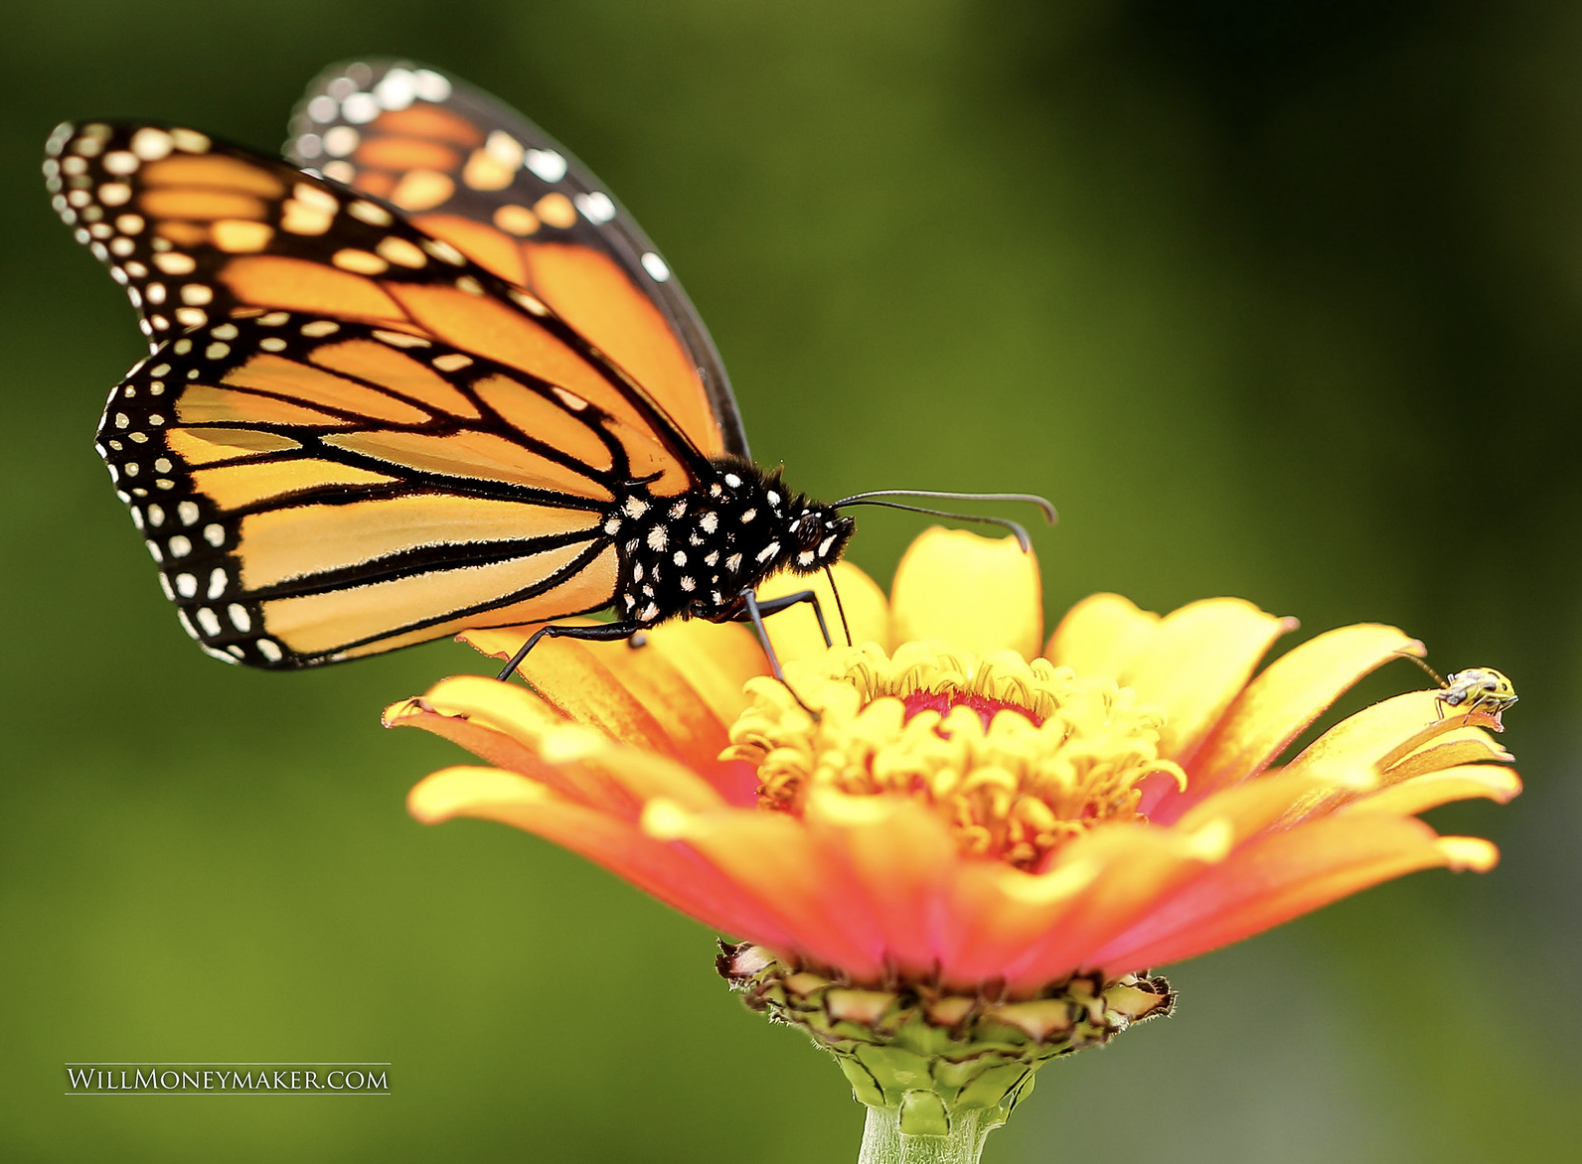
[{"x": 819, "y": 538}]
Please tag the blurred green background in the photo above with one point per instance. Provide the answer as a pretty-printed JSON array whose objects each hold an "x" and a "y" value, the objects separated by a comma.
[{"x": 1274, "y": 300}]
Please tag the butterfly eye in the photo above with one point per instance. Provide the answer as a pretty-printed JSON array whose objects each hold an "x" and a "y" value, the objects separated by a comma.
[{"x": 807, "y": 530}]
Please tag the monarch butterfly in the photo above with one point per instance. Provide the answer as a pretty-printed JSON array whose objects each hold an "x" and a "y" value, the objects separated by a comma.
[{"x": 438, "y": 380}]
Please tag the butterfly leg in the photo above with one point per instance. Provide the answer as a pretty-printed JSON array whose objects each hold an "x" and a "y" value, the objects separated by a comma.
[
  {"x": 756, "y": 610},
  {"x": 775, "y": 605},
  {"x": 599, "y": 633}
]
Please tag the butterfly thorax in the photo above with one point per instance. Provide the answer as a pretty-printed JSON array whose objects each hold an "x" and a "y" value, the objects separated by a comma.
[{"x": 695, "y": 553}]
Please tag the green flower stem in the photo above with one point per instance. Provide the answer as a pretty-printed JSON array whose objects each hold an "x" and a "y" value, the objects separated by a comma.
[{"x": 883, "y": 1142}]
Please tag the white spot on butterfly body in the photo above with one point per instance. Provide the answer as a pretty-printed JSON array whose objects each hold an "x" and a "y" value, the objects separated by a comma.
[
  {"x": 768, "y": 552},
  {"x": 708, "y": 523},
  {"x": 733, "y": 563},
  {"x": 657, "y": 538},
  {"x": 635, "y": 507}
]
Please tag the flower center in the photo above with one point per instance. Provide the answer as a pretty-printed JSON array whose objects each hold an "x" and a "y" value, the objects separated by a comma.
[{"x": 1016, "y": 757}]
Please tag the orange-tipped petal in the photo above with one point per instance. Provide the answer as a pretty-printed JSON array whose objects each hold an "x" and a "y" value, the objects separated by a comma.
[
  {"x": 795, "y": 632},
  {"x": 773, "y": 860},
  {"x": 1368, "y": 736},
  {"x": 997, "y": 913},
  {"x": 1137, "y": 867},
  {"x": 717, "y": 659},
  {"x": 576, "y": 682},
  {"x": 1252, "y": 807},
  {"x": 1279, "y": 877},
  {"x": 506, "y": 751},
  {"x": 969, "y": 593},
  {"x": 667, "y": 872},
  {"x": 1100, "y": 636},
  {"x": 897, "y": 854},
  {"x": 1421, "y": 793},
  {"x": 1288, "y": 696}
]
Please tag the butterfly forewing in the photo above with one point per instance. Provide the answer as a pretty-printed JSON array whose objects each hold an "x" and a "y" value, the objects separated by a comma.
[
  {"x": 468, "y": 169},
  {"x": 314, "y": 489},
  {"x": 197, "y": 231}
]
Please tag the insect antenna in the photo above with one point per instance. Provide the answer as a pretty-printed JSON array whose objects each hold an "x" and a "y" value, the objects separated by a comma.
[
  {"x": 1432, "y": 674},
  {"x": 872, "y": 498}
]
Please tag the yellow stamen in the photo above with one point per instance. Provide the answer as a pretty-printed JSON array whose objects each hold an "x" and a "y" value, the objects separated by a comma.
[{"x": 1017, "y": 757}]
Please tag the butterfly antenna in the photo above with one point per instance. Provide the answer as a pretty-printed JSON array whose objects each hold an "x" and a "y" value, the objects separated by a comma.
[
  {"x": 1432, "y": 674},
  {"x": 1016, "y": 528},
  {"x": 1043, "y": 503},
  {"x": 840, "y": 606}
]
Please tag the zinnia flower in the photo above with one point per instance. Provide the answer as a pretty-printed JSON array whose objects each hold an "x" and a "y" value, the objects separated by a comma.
[{"x": 950, "y": 857}]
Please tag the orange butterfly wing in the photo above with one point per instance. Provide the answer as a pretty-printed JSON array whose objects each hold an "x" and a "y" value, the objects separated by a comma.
[
  {"x": 197, "y": 231},
  {"x": 315, "y": 490},
  {"x": 469, "y": 170}
]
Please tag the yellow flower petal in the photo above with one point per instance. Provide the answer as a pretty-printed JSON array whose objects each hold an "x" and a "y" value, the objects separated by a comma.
[
  {"x": 969, "y": 593},
  {"x": 1421, "y": 793},
  {"x": 467, "y": 790},
  {"x": 717, "y": 659},
  {"x": 1100, "y": 636},
  {"x": 1195, "y": 662},
  {"x": 1288, "y": 696},
  {"x": 795, "y": 632}
]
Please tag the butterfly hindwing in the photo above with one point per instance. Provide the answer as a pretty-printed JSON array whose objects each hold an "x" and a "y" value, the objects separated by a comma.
[
  {"x": 314, "y": 490},
  {"x": 468, "y": 169}
]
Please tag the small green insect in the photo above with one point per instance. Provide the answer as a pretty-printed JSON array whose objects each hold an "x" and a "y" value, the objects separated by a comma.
[
  {"x": 1480, "y": 689},
  {"x": 1476, "y": 689}
]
